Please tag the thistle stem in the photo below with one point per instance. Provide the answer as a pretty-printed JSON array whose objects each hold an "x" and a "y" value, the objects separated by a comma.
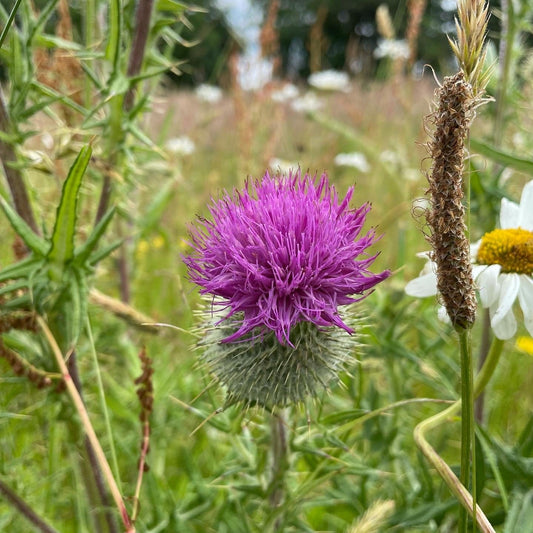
[
  {"x": 446, "y": 473},
  {"x": 467, "y": 423},
  {"x": 14, "y": 179}
]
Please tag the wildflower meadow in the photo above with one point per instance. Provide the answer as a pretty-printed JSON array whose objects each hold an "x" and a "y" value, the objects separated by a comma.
[{"x": 245, "y": 287}]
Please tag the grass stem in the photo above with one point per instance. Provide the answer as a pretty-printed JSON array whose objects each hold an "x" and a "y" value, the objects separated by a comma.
[
  {"x": 467, "y": 423},
  {"x": 88, "y": 428},
  {"x": 446, "y": 473}
]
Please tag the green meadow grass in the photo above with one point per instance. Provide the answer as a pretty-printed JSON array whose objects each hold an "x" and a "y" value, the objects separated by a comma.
[
  {"x": 211, "y": 475},
  {"x": 352, "y": 458}
]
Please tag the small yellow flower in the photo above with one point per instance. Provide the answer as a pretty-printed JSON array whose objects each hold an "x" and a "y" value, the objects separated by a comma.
[
  {"x": 142, "y": 249},
  {"x": 525, "y": 344},
  {"x": 157, "y": 242}
]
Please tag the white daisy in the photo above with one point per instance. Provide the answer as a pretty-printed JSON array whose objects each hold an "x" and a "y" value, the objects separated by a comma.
[
  {"x": 502, "y": 267},
  {"x": 209, "y": 93},
  {"x": 330, "y": 80},
  {"x": 353, "y": 159},
  {"x": 392, "y": 48},
  {"x": 309, "y": 102},
  {"x": 180, "y": 145}
]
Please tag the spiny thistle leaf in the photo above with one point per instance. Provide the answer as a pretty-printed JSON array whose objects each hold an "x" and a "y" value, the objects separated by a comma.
[
  {"x": 36, "y": 244},
  {"x": 62, "y": 249}
]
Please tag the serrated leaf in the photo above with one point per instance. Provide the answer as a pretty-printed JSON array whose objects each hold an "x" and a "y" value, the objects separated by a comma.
[
  {"x": 35, "y": 243},
  {"x": 83, "y": 252},
  {"x": 62, "y": 249},
  {"x": 515, "y": 162}
]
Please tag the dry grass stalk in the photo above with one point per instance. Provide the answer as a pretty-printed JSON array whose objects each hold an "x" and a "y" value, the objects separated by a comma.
[
  {"x": 269, "y": 37},
  {"x": 384, "y": 22},
  {"x": 317, "y": 40},
  {"x": 375, "y": 518},
  {"x": 61, "y": 70},
  {"x": 416, "y": 10}
]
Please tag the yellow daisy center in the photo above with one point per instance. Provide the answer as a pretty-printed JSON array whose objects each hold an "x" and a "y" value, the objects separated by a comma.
[{"x": 510, "y": 248}]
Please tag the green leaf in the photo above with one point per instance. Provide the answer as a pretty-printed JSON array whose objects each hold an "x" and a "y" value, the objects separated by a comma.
[
  {"x": 62, "y": 249},
  {"x": 15, "y": 286},
  {"x": 343, "y": 416},
  {"x": 23, "y": 343},
  {"x": 22, "y": 269},
  {"x": 67, "y": 313},
  {"x": 21, "y": 302},
  {"x": 520, "y": 516},
  {"x": 9, "y": 22},
  {"x": 170, "y": 5},
  {"x": 83, "y": 252},
  {"x": 36, "y": 244},
  {"x": 154, "y": 211},
  {"x": 503, "y": 158},
  {"x": 104, "y": 252},
  {"x": 51, "y": 41},
  {"x": 45, "y": 13},
  {"x": 483, "y": 439}
]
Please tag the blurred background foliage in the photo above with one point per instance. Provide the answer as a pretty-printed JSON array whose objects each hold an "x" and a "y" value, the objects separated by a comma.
[{"x": 343, "y": 31}]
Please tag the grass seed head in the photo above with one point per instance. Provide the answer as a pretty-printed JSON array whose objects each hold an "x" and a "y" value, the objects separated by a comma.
[{"x": 451, "y": 248}]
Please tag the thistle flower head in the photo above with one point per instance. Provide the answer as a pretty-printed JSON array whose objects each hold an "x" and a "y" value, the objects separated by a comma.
[{"x": 282, "y": 251}]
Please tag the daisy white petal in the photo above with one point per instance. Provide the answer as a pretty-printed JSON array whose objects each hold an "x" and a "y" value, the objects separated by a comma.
[
  {"x": 525, "y": 219},
  {"x": 525, "y": 296},
  {"x": 487, "y": 280},
  {"x": 442, "y": 314},
  {"x": 474, "y": 248},
  {"x": 509, "y": 286},
  {"x": 505, "y": 328},
  {"x": 422, "y": 286},
  {"x": 509, "y": 214}
]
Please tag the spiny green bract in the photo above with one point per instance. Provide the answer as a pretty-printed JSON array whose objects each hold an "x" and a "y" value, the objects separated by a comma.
[{"x": 261, "y": 371}]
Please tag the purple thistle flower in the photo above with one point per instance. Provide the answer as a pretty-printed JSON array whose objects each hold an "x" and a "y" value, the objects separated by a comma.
[{"x": 283, "y": 251}]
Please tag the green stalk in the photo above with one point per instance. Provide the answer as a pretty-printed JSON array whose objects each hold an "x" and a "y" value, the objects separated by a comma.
[
  {"x": 280, "y": 464},
  {"x": 88, "y": 428},
  {"x": 446, "y": 473},
  {"x": 467, "y": 424},
  {"x": 9, "y": 22},
  {"x": 103, "y": 404}
]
